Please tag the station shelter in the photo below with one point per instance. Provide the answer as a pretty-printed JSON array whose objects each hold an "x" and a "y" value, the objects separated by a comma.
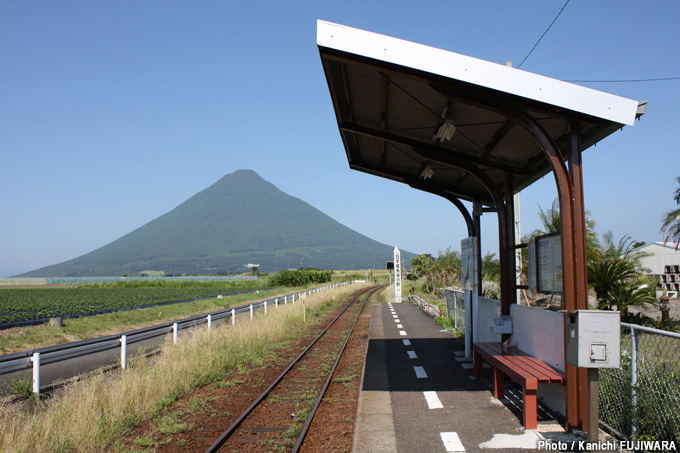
[{"x": 476, "y": 131}]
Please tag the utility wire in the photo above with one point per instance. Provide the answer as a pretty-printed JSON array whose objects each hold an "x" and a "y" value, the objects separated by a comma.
[
  {"x": 544, "y": 33},
  {"x": 623, "y": 81}
]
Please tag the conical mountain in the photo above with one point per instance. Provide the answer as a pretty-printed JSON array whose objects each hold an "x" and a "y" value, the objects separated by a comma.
[{"x": 241, "y": 219}]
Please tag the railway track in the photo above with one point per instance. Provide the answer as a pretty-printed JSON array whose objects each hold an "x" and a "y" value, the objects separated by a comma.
[{"x": 286, "y": 409}]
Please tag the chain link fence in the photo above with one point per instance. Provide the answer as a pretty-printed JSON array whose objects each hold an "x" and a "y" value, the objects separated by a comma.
[
  {"x": 641, "y": 399},
  {"x": 455, "y": 308}
]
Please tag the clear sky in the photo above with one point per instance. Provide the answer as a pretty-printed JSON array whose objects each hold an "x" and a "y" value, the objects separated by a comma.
[{"x": 114, "y": 113}]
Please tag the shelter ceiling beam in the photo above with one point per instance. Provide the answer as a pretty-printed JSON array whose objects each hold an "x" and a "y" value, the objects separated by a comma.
[
  {"x": 452, "y": 157},
  {"x": 500, "y": 133}
]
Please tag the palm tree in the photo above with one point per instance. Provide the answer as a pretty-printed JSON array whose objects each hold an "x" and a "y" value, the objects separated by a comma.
[
  {"x": 421, "y": 264},
  {"x": 491, "y": 267},
  {"x": 671, "y": 221},
  {"x": 625, "y": 295},
  {"x": 607, "y": 272}
]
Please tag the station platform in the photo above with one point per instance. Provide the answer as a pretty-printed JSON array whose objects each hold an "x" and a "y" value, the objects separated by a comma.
[{"x": 419, "y": 395}]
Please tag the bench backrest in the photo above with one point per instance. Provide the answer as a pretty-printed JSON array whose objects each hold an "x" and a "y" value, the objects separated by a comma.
[{"x": 539, "y": 333}]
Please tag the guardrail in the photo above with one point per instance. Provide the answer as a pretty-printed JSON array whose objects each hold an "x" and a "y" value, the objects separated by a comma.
[
  {"x": 19, "y": 361},
  {"x": 430, "y": 310}
]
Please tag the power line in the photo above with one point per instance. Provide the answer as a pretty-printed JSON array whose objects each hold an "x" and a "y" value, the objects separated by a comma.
[
  {"x": 544, "y": 33},
  {"x": 623, "y": 80}
]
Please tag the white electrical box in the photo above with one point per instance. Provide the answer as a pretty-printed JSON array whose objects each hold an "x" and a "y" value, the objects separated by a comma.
[{"x": 594, "y": 338}]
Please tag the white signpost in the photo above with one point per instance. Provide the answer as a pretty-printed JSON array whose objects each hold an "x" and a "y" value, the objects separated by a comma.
[{"x": 397, "y": 275}]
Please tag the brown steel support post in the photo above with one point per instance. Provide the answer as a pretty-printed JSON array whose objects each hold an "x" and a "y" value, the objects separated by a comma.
[
  {"x": 503, "y": 258},
  {"x": 566, "y": 199},
  {"x": 510, "y": 296},
  {"x": 580, "y": 261},
  {"x": 477, "y": 211}
]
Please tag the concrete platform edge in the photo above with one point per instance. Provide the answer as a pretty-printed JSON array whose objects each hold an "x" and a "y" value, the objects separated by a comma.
[{"x": 374, "y": 427}]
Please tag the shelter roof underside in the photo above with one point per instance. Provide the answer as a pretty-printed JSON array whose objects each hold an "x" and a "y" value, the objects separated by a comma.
[{"x": 389, "y": 116}]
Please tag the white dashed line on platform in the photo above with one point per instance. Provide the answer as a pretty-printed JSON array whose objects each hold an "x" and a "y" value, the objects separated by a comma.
[
  {"x": 433, "y": 400},
  {"x": 412, "y": 354},
  {"x": 397, "y": 320},
  {"x": 402, "y": 332},
  {"x": 407, "y": 342},
  {"x": 452, "y": 442},
  {"x": 420, "y": 372},
  {"x": 400, "y": 326}
]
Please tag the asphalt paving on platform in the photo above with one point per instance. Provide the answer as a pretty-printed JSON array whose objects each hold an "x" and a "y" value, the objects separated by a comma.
[{"x": 419, "y": 395}]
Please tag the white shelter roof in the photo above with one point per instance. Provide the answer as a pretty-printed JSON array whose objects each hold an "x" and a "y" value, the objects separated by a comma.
[{"x": 395, "y": 99}]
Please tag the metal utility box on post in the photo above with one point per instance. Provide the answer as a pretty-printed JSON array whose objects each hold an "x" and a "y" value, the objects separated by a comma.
[
  {"x": 593, "y": 342},
  {"x": 594, "y": 338}
]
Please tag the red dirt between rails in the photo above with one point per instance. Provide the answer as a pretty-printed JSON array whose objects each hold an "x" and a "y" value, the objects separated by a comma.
[{"x": 201, "y": 417}]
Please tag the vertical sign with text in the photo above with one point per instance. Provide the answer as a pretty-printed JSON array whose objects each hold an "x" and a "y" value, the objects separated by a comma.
[
  {"x": 397, "y": 275},
  {"x": 468, "y": 262}
]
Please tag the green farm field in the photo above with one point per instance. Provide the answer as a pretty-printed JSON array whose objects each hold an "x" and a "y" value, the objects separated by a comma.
[{"x": 35, "y": 303}]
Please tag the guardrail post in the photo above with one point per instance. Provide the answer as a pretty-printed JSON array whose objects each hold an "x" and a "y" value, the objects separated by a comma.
[
  {"x": 276, "y": 301},
  {"x": 285, "y": 300},
  {"x": 209, "y": 321},
  {"x": 36, "y": 373},
  {"x": 174, "y": 333},
  {"x": 123, "y": 351},
  {"x": 251, "y": 312},
  {"x": 265, "y": 307},
  {"x": 233, "y": 316}
]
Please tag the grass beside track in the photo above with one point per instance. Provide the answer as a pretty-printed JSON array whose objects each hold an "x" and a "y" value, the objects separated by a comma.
[{"x": 93, "y": 414}]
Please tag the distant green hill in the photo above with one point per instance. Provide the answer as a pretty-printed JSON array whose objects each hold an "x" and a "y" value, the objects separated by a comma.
[{"x": 241, "y": 219}]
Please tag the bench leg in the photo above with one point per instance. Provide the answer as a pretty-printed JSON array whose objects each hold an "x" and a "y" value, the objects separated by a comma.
[
  {"x": 530, "y": 409},
  {"x": 477, "y": 360},
  {"x": 498, "y": 383}
]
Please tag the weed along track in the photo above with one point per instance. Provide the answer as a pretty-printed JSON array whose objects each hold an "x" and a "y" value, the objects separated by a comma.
[{"x": 280, "y": 418}]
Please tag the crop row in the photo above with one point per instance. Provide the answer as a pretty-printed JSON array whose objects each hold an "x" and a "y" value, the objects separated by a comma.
[{"x": 26, "y": 304}]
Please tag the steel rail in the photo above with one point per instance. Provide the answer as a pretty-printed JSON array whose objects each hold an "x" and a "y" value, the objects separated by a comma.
[
  {"x": 234, "y": 426},
  {"x": 308, "y": 423}
]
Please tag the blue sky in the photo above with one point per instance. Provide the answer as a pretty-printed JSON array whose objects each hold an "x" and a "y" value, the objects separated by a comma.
[{"x": 113, "y": 113}]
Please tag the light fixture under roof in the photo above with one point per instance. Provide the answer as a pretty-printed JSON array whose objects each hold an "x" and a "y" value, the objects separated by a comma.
[
  {"x": 427, "y": 172},
  {"x": 446, "y": 131}
]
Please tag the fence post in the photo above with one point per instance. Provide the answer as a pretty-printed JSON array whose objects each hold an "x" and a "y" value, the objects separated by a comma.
[
  {"x": 276, "y": 302},
  {"x": 633, "y": 378},
  {"x": 174, "y": 333},
  {"x": 36, "y": 373},
  {"x": 285, "y": 300},
  {"x": 123, "y": 351},
  {"x": 265, "y": 307},
  {"x": 209, "y": 321},
  {"x": 251, "y": 312},
  {"x": 233, "y": 316}
]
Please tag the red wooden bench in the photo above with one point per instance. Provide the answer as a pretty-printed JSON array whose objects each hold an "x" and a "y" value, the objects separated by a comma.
[{"x": 526, "y": 370}]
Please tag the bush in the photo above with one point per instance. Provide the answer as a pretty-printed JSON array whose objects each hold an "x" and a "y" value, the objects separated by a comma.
[{"x": 300, "y": 277}]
